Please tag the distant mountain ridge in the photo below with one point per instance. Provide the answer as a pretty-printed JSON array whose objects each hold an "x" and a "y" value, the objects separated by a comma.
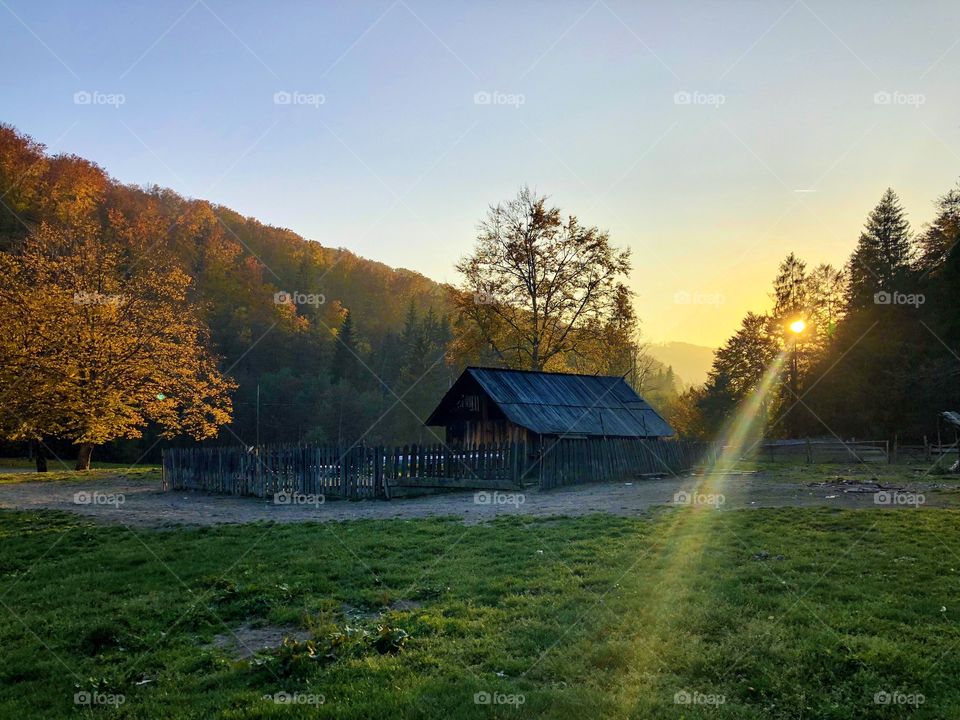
[{"x": 690, "y": 362}]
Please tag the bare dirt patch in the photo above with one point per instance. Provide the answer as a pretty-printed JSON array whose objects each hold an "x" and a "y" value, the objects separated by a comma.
[
  {"x": 245, "y": 641},
  {"x": 144, "y": 504}
]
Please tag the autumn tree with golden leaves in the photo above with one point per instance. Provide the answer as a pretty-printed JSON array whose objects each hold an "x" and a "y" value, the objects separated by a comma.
[{"x": 101, "y": 338}]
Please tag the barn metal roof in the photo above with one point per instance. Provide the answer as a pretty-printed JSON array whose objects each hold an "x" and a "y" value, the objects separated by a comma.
[{"x": 560, "y": 403}]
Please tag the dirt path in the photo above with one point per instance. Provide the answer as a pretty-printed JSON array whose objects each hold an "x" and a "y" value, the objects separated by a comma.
[{"x": 143, "y": 504}]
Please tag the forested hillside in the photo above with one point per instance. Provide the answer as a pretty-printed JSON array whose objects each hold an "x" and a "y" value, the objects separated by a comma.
[{"x": 394, "y": 323}]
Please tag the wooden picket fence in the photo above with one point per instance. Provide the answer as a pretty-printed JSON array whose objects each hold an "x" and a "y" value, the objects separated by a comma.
[
  {"x": 824, "y": 451},
  {"x": 372, "y": 472},
  {"x": 416, "y": 468},
  {"x": 356, "y": 472}
]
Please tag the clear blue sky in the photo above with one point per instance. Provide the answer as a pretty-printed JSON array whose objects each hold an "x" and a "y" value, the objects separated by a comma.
[{"x": 784, "y": 145}]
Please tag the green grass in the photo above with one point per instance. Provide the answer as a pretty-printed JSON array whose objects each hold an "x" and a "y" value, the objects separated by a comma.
[
  {"x": 786, "y": 613},
  {"x": 23, "y": 462},
  {"x": 889, "y": 474},
  {"x": 99, "y": 471}
]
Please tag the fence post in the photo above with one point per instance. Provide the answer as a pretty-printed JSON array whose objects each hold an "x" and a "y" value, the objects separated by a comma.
[{"x": 377, "y": 471}]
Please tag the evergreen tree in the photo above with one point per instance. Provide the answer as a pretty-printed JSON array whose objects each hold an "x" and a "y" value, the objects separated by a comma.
[
  {"x": 825, "y": 298},
  {"x": 790, "y": 290},
  {"x": 938, "y": 243},
  {"x": 345, "y": 353},
  {"x": 738, "y": 368},
  {"x": 881, "y": 260}
]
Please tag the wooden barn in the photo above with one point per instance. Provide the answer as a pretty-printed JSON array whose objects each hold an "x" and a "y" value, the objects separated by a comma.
[{"x": 491, "y": 405}]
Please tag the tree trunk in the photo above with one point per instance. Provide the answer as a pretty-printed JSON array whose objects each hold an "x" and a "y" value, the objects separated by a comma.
[
  {"x": 40, "y": 454},
  {"x": 83, "y": 456}
]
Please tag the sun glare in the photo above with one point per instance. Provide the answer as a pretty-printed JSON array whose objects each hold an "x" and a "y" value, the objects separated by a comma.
[
  {"x": 744, "y": 430},
  {"x": 798, "y": 326}
]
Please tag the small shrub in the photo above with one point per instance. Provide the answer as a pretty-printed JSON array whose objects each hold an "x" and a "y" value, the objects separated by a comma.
[{"x": 296, "y": 659}]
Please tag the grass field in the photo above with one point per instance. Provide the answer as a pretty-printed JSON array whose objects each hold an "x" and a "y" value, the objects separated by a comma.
[
  {"x": 61, "y": 471},
  {"x": 887, "y": 473},
  {"x": 787, "y": 613},
  {"x": 60, "y": 465},
  {"x": 97, "y": 472}
]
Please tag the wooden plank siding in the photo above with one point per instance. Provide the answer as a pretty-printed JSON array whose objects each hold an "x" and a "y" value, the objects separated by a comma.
[{"x": 566, "y": 461}]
